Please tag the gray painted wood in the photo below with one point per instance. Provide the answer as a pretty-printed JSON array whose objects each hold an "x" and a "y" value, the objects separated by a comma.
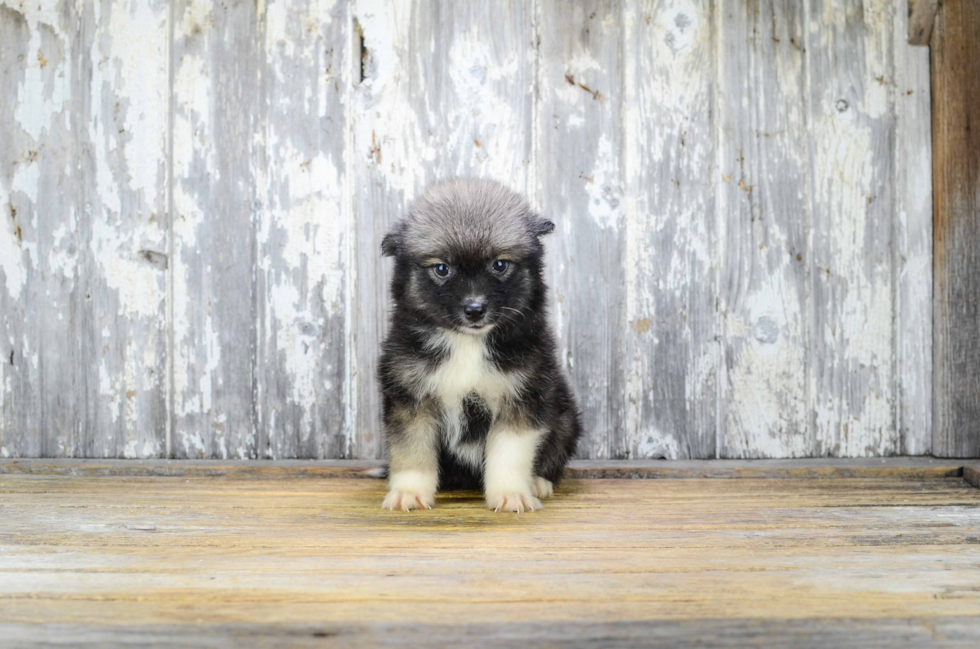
[
  {"x": 955, "y": 49},
  {"x": 765, "y": 216},
  {"x": 302, "y": 229},
  {"x": 852, "y": 368},
  {"x": 216, "y": 170},
  {"x": 39, "y": 231},
  {"x": 578, "y": 165},
  {"x": 193, "y": 198},
  {"x": 120, "y": 312},
  {"x": 671, "y": 258},
  {"x": 913, "y": 209}
]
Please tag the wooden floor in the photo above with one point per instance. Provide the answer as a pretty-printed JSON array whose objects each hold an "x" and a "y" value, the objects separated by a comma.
[{"x": 260, "y": 559}]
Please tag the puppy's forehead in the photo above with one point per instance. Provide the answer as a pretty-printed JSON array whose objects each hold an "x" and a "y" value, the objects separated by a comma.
[{"x": 469, "y": 217}]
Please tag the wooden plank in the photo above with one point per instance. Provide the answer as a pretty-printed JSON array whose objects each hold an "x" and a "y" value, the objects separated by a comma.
[
  {"x": 956, "y": 185},
  {"x": 215, "y": 172},
  {"x": 121, "y": 121},
  {"x": 852, "y": 370},
  {"x": 182, "y": 553},
  {"x": 813, "y": 633},
  {"x": 913, "y": 209},
  {"x": 41, "y": 91},
  {"x": 302, "y": 230},
  {"x": 581, "y": 187},
  {"x": 919, "y": 20},
  {"x": 445, "y": 92},
  {"x": 763, "y": 200},
  {"x": 672, "y": 241},
  {"x": 800, "y": 469}
]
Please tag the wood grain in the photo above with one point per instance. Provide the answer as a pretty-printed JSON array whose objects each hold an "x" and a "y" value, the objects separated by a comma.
[
  {"x": 216, "y": 166},
  {"x": 165, "y": 555},
  {"x": 852, "y": 369},
  {"x": 672, "y": 243},
  {"x": 905, "y": 468},
  {"x": 814, "y": 633},
  {"x": 921, "y": 15},
  {"x": 303, "y": 271},
  {"x": 120, "y": 312},
  {"x": 913, "y": 252},
  {"x": 40, "y": 231},
  {"x": 578, "y": 162},
  {"x": 765, "y": 216},
  {"x": 956, "y": 182}
]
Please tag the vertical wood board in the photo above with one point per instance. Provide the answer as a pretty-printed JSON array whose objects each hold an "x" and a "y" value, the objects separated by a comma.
[
  {"x": 956, "y": 184},
  {"x": 581, "y": 187},
  {"x": 215, "y": 200},
  {"x": 302, "y": 232},
  {"x": 764, "y": 215},
  {"x": 671, "y": 244}
]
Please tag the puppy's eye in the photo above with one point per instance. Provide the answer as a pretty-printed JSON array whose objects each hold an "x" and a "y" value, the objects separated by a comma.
[
  {"x": 441, "y": 270},
  {"x": 500, "y": 265}
]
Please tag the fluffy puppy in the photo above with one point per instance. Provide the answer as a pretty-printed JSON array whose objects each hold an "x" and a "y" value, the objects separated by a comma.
[{"x": 472, "y": 393}]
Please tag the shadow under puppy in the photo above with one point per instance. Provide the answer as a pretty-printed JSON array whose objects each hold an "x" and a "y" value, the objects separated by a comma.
[{"x": 472, "y": 393}]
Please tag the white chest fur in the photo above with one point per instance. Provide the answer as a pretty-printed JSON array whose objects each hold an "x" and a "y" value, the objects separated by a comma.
[{"x": 467, "y": 369}]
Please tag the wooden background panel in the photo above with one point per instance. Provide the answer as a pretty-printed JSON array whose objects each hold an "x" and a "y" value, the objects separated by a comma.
[
  {"x": 764, "y": 213},
  {"x": 581, "y": 187},
  {"x": 121, "y": 126},
  {"x": 955, "y": 50},
  {"x": 913, "y": 211},
  {"x": 40, "y": 229},
  {"x": 302, "y": 230},
  {"x": 741, "y": 265},
  {"x": 215, "y": 176},
  {"x": 852, "y": 139},
  {"x": 446, "y": 90},
  {"x": 671, "y": 250}
]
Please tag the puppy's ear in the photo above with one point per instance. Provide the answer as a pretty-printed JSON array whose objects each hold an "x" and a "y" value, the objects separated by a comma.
[
  {"x": 391, "y": 243},
  {"x": 541, "y": 227}
]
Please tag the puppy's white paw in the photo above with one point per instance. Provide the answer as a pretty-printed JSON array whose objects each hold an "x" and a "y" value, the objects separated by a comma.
[
  {"x": 542, "y": 488},
  {"x": 406, "y": 500},
  {"x": 513, "y": 502}
]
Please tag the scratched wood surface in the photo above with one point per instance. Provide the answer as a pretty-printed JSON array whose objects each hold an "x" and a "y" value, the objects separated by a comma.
[
  {"x": 272, "y": 561},
  {"x": 193, "y": 195}
]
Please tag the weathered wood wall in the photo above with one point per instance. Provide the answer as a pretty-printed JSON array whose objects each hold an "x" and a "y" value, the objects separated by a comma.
[
  {"x": 194, "y": 196},
  {"x": 956, "y": 128}
]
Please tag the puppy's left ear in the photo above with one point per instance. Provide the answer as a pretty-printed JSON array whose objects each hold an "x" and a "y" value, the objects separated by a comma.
[
  {"x": 541, "y": 227},
  {"x": 391, "y": 243}
]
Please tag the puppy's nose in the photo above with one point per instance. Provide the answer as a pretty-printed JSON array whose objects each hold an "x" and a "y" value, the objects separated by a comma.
[{"x": 474, "y": 310}]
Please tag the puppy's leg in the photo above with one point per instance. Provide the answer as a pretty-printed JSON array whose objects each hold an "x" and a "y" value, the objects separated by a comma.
[
  {"x": 508, "y": 476},
  {"x": 413, "y": 444}
]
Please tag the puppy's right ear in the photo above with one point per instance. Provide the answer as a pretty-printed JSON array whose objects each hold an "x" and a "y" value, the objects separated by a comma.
[
  {"x": 391, "y": 243},
  {"x": 541, "y": 226}
]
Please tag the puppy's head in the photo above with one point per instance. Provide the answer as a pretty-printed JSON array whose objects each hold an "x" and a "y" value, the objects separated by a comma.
[{"x": 468, "y": 256}]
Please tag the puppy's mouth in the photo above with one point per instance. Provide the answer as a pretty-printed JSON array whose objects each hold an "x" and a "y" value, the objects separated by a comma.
[{"x": 476, "y": 328}]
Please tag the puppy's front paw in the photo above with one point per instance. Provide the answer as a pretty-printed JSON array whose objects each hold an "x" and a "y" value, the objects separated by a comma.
[
  {"x": 541, "y": 487},
  {"x": 407, "y": 500},
  {"x": 513, "y": 502}
]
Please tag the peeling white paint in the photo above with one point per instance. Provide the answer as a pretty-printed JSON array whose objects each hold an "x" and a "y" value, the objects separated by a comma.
[{"x": 704, "y": 327}]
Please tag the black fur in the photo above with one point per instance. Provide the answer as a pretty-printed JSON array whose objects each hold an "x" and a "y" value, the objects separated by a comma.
[{"x": 468, "y": 224}]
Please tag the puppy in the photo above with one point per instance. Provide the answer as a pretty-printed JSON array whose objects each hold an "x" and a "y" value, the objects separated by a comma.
[{"x": 472, "y": 393}]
